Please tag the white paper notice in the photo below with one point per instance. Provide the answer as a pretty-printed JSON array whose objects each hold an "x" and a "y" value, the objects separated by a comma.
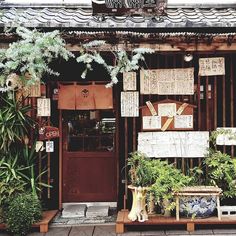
[
  {"x": 129, "y": 81},
  {"x": 227, "y": 138},
  {"x": 43, "y": 107},
  {"x": 151, "y": 122},
  {"x": 212, "y": 66},
  {"x": 167, "y": 109},
  {"x": 183, "y": 121},
  {"x": 129, "y": 104},
  {"x": 174, "y": 144},
  {"x": 49, "y": 146}
]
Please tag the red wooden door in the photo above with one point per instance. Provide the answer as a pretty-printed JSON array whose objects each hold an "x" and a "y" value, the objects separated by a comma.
[{"x": 89, "y": 158}]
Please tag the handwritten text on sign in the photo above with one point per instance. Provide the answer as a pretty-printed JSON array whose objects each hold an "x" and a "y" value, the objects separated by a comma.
[
  {"x": 212, "y": 66},
  {"x": 43, "y": 107},
  {"x": 167, "y": 81},
  {"x": 129, "y": 81},
  {"x": 173, "y": 144},
  {"x": 129, "y": 104}
]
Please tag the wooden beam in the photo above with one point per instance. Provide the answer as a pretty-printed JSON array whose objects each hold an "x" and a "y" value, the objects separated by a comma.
[{"x": 168, "y": 47}]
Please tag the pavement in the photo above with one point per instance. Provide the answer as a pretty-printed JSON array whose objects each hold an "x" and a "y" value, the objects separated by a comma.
[{"x": 109, "y": 230}]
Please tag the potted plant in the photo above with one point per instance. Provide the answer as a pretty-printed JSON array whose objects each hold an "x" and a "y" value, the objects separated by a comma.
[{"x": 141, "y": 177}]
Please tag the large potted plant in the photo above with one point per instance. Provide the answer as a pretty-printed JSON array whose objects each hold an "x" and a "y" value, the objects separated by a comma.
[{"x": 141, "y": 177}]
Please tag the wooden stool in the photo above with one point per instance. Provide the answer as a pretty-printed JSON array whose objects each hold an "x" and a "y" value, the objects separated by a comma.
[{"x": 198, "y": 191}]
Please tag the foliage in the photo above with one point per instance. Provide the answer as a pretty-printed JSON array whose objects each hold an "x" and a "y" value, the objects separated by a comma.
[
  {"x": 123, "y": 62},
  {"x": 14, "y": 121},
  {"x": 29, "y": 158},
  {"x": 169, "y": 179},
  {"x": 32, "y": 54},
  {"x": 221, "y": 172},
  {"x": 140, "y": 170},
  {"x": 21, "y": 212}
]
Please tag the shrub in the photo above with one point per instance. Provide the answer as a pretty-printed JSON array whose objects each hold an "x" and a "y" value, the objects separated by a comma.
[{"x": 21, "y": 212}]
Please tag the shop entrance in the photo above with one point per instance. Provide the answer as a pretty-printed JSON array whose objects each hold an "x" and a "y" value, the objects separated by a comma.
[{"x": 89, "y": 158}]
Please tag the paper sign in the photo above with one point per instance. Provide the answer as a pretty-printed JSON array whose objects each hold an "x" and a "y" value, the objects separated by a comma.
[
  {"x": 211, "y": 66},
  {"x": 49, "y": 146},
  {"x": 228, "y": 138},
  {"x": 129, "y": 104},
  {"x": 167, "y": 109},
  {"x": 129, "y": 81},
  {"x": 174, "y": 144},
  {"x": 39, "y": 146},
  {"x": 179, "y": 81},
  {"x": 151, "y": 122},
  {"x": 183, "y": 122},
  {"x": 43, "y": 107}
]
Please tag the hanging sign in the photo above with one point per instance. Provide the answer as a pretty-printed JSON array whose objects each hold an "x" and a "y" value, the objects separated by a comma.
[
  {"x": 129, "y": 104},
  {"x": 167, "y": 81},
  {"x": 174, "y": 144},
  {"x": 48, "y": 132},
  {"x": 129, "y": 81},
  {"x": 151, "y": 122},
  {"x": 49, "y": 146},
  {"x": 211, "y": 66},
  {"x": 43, "y": 107},
  {"x": 228, "y": 136},
  {"x": 39, "y": 146}
]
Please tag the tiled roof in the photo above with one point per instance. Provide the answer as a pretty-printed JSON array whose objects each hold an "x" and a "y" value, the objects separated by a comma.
[{"x": 79, "y": 18}]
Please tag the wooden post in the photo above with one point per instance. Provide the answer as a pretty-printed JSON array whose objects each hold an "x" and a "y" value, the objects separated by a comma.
[
  {"x": 190, "y": 227},
  {"x": 177, "y": 207},
  {"x": 218, "y": 207}
]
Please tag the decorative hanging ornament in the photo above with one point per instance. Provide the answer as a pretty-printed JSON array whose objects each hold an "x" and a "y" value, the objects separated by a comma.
[{"x": 13, "y": 82}]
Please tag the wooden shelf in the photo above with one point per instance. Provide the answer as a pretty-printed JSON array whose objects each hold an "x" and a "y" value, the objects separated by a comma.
[
  {"x": 43, "y": 224},
  {"x": 123, "y": 222}
]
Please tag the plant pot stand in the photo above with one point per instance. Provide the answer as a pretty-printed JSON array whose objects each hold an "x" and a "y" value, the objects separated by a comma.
[
  {"x": 47, "y": 216},
  {"x": 123, "y": 223}
]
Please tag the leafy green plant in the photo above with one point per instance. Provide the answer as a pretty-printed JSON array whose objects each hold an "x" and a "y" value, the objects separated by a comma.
[
  {"x": 14, "y": 121},
  {"x": 169, "y": 179},
  {"x": 32, "y": 54},
  {"x": 21, "y": 212},
  {"x": 140, "y": 170}
]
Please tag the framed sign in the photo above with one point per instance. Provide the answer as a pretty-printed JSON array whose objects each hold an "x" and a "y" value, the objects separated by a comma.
[
  {"x": 211, "y": 66},
  {"x": 174, "y": 144},
  {"x": 129, "y": 104},
  {"x": 43, "y": 107},
  {"x": 179, "y": 81},
  {"x": 228, "y": 136},
  {"x": 129, "y": 81}
]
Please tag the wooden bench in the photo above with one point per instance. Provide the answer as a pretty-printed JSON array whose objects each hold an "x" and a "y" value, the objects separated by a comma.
[
  {"x": 47, "y": 216},
  {"x": 198, "y": 191}
]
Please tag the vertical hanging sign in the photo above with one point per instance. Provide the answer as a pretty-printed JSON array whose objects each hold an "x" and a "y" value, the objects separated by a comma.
[
  {"x": 129, "y": 104},
  {"x": 43, "y": 107},
  {"x": 129, "y": 81}
]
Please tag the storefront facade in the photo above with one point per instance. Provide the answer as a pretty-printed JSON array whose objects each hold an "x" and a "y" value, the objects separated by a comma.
[{"x": 99, "y": 127}]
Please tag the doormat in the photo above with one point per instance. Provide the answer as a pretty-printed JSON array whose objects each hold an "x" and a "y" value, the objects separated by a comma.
[{"x": 60, "y": 221}]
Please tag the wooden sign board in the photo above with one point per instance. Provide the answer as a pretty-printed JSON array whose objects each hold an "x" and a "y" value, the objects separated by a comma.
[
  {"x": 211, "y": 66},
  {"x": 48, "y": 132},
  {"x": 179, "y": 81},
  {"x": 129, "y": 104},
  {"x": 191, "y": 144},
  {"x": 169, "y": 108},
  {"x": 129, "y": 81},
  {"x": 43, "y": 107},
  {"x": 227, "y": 138}
]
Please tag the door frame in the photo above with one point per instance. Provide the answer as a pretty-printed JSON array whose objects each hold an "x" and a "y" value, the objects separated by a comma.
[{"x": 116, "y": 156}]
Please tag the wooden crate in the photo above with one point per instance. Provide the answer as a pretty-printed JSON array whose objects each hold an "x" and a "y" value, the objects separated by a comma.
[
  {"x": 123, "y": 223},
  {"x": 43, "y": 224}
]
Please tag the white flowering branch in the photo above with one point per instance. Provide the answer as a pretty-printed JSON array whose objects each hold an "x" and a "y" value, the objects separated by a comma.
[{"x": 123, "y": 63}]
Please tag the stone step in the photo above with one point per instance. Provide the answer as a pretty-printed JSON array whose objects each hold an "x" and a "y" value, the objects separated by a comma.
[
  {"x": 74, "y": 211},
  {"x": 95, "y": 211}
]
